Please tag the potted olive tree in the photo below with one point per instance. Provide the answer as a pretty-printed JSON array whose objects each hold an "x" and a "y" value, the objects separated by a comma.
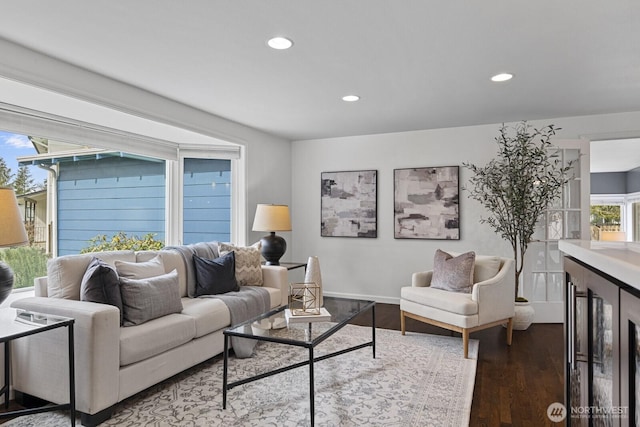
[{"x": 518, "y": 186}]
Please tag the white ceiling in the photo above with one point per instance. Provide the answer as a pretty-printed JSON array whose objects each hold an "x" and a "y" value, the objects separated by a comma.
[
  {"x": 620, "y": 155},
  {"x": 417, "y": 64}
]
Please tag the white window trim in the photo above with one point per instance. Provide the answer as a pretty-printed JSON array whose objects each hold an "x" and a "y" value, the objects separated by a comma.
[{"x": 32, "y": 122}]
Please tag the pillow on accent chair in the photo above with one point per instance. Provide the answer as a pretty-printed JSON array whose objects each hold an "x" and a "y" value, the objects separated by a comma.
[
  {"x": 101, "y": 284},
  {"x": 248, "y": 269},
  {"x": 149, "y": 298},
  {"x": 453, "y": 273},
  {"x": 141, "y": 270},
  {"x": 215, "y": 276},
  {"x": 485, "y": 267}
]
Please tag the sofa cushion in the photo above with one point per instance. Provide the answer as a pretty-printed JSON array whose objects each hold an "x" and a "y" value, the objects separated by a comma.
[
  {"x": 101, "y": 284},
  {"x": 215, "y": 276},
  {"x": 454, "y": 302},
  {"x": 453, "y": 273},
  {"x": 64, "y": 273},
  {"x": 209, "y": 314},
  {"x": 150, "y": 298},
  {"x": 154, "y": 337},
  {"x": 141, "y": 270},
  {"x": 248, "y": 266}
]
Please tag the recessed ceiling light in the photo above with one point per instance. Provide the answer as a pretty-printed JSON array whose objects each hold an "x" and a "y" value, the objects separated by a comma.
[
  {"x": 280, "y": 43},
  {"x": 351, "y": 98},
  {"x": 502, "y": 77}
]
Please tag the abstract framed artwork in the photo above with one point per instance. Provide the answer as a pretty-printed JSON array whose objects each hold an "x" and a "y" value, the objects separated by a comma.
[
  {"x": 426, "y": 204},
  {"x": 349, "y": 204}
]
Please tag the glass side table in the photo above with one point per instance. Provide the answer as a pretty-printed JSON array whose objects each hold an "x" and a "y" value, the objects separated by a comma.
[{"x": 16, "y": 324}]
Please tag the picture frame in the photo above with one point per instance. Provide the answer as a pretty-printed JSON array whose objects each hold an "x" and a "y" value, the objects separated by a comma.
[
  {"x": 349, "y": 204},
  {"x": 426, "y": 203}
]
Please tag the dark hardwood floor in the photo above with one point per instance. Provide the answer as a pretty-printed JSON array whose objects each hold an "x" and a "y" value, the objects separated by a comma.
[{"x": 514, "y": 385}]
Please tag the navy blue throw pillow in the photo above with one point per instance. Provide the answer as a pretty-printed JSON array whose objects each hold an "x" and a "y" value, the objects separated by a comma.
[{"x": 215, "y": 276}]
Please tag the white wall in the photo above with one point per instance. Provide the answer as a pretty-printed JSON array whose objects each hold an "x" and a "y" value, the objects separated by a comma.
[{"x": 378, "y": 268}]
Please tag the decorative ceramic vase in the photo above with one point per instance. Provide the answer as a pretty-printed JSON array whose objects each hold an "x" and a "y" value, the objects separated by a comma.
[
  {"x": 313, "y": 275},
  {"x": 524, "y": 316}
]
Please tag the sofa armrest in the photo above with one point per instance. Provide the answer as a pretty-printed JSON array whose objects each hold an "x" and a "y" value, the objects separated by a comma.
[
  {"x": 495, "y": 296},
  {"x": 275, "y": 276},
  {"x": 40, "y": 363},
  {"x": 40, "y": 286},
  {"x": 421, "y": 279}
]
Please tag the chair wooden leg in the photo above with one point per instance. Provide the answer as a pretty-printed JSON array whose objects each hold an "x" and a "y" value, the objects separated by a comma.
[
  {"x": 402, "y": 321},
  {"x": 509, "y": 330},
  {"x": 465, "y": 342}
]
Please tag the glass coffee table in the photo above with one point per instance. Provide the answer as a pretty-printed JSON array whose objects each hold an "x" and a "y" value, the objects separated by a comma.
[
  {"x": 308, "y": 335},
  {"x": 15, "y": 324}
]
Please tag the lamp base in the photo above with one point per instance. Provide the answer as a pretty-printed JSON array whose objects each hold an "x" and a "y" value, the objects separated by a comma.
[
  {"x": 273, "y": 247},
  {"x": 6, "y": 281}
]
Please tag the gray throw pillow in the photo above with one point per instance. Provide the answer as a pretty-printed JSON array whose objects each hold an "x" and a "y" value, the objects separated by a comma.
[
  {"x": 453, "y": 273},
  {"x": 100, "y": 284},
  {"x": 140, "y": 270},
  {"x": 150, "y": 298}
]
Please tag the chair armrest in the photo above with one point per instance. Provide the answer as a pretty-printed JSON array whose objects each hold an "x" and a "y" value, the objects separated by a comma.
[
  {"x": 496, "y": 296},
  {"x": 40, "y": 361},
  {"x": 275, "y": 276},
  {"x": 421, "y": 279}
]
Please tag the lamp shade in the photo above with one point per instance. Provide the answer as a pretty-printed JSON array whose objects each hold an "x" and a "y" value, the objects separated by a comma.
[
  {"x": 272, "y": 218},
  {"x": 12, "y": 232}
]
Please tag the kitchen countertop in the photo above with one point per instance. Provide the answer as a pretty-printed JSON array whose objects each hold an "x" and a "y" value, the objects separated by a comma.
[{"x": 620, "y": 260}]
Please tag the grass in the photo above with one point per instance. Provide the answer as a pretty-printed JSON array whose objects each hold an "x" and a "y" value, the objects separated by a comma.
[{"x": 27, "y": 263}]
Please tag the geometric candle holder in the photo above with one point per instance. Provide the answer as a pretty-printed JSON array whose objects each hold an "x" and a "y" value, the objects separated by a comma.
[{"x": 304, "y": 298}]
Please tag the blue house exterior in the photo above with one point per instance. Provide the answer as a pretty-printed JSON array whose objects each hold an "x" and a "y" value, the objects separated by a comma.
[{"x": 111, "y": 194}]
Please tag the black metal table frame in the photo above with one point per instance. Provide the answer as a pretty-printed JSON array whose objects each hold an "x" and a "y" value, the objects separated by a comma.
[
  {"x": 310, "y": 345},
  {"x": 71, "y": 406}
]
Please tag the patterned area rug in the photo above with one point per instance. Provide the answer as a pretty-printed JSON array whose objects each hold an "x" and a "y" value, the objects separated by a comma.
[{"x": 415, "y": 380}]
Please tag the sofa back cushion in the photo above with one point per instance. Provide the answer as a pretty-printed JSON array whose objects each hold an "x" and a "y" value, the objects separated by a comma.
[{"x": 65, "y": 273}]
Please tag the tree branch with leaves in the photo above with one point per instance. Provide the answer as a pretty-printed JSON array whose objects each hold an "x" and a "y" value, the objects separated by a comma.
[{"x": 518, "y": 186}]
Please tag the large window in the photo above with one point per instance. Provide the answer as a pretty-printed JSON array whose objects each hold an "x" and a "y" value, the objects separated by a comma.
[
  {"x": 206, "y": 200},
  {"x": 89, "y": 192}
]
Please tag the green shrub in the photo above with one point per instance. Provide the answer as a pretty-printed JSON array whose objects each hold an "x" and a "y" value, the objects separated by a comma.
[
  {"x": 120, "y": 241},
  {"x": 27, "y": 263}
]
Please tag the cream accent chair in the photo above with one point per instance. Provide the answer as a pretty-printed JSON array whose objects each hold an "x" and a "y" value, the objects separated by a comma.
[{"x": 490, "y": 303}]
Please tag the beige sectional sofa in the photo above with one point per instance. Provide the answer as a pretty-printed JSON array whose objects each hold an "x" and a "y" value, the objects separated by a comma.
[{"x": 114, "y": 362}]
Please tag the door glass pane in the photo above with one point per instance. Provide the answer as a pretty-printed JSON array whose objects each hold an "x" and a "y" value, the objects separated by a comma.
[
  {"x": 602, "y": 357},
  {"x": 207, "y": 200},
  {"x": 554, "y": 257},
  {"x": 572, "y": 194},
  {"x": 555, "y": 225},
  {"x": 539, "y": 288},
  {"x": 573, "y": 225},
  {"x": 536, "y": 256},
  {"x": 573, "y": 155},
  {"x": 554, "y": 286}
]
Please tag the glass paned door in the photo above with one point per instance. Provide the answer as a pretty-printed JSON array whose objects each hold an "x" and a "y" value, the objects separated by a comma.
[{"x": 542, "y": 279}]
